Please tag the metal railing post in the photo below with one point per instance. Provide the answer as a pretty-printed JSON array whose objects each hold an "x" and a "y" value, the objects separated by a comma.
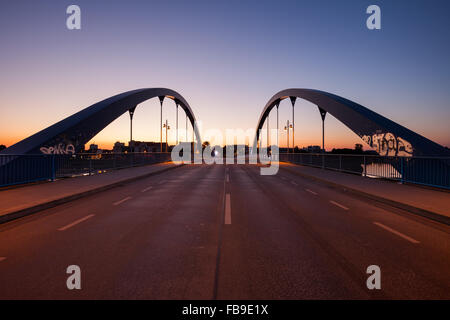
[
  {"x": 53, "y": 168},
  {"x": 402, "y": 180},
  {"x": 365, "y": 167},
  {"x": 340, "y": 163},
  {"x": 90, "y": 166}
]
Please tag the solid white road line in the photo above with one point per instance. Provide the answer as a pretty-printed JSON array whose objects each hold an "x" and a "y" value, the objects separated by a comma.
[
  {"x": 76, "y": 222},
  {"x": 146, "y": 189},
  {"x": 121, "y": 201},
  {"x": 227, "y": 209},
  {"x": 294, "y": 183},
  {"x": 312, "y": 192},
  {"x": 2, "y": 258},
  {"x": 339, "y": 205},
  {"x": 404, "y": 236}
]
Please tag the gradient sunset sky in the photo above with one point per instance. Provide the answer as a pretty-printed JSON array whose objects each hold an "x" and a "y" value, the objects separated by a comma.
[{"x": 227, "y": 58}]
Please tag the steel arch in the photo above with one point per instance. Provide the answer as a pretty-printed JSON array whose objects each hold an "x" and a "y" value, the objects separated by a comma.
[
  {"x": 79, "y": 128},
  {"x": 388, "y": 137}
]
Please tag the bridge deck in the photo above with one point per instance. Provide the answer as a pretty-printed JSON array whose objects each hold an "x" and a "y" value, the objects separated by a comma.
[{"x": 223, "y": 232}]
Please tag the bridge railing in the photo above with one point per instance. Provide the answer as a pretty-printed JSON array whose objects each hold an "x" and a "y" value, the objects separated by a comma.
[
  {"x": 430, "y": 171},
  {"x": 21, "y": 169}
]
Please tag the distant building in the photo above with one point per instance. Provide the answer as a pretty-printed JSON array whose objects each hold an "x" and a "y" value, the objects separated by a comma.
[
  {"x": 358, "y": 150},
  {"x": 313, "y": 149},
  {"x": 143, "y": 146},
  {"x": 119, "y": 147},
  {"x": 93, "y": 148}
]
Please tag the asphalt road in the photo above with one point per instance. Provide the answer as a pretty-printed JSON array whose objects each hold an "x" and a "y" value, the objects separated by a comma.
[{"x": 224, "y": 232}]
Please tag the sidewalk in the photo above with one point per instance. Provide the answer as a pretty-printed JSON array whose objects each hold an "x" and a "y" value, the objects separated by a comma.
[
  {"x": 419, "y": 200},
  {"x": 18, "y": 202}
]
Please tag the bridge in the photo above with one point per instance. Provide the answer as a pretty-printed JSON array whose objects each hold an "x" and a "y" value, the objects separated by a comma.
[{"x": 141, "y": 226}]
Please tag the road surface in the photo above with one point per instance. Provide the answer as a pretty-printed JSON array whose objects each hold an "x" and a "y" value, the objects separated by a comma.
[{"x": 224, "y": 232}]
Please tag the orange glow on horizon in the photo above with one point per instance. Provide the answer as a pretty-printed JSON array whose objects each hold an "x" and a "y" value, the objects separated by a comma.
[{"x": 108, "y": 145}]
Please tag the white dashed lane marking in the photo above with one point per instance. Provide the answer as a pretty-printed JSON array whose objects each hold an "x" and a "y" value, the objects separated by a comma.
[
  {"x": 146, "y": 189},
  {"x": 76, "y": 222},
  {"x": 338, "y": 205},
  {"x": 404, "y": 236},
  {"x": 121, "y": 201},
  {"x": 312, "y": 192},
  {"x": 227, "y": 209}
]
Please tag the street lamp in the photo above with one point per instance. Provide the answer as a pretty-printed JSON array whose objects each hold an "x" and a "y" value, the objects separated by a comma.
[
  {"x": 166, "y": 125},
  {"x": 286, "y": 128}
]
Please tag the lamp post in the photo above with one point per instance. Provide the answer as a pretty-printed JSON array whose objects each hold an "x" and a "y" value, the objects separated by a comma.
[
  {"x": 278, "y": 142},
  {"x": 177, "y": 124},
  {"x": 166, "y": 125},
  {"x": 323, "y": 113},
  {"x": 131, "y": 111},
  {"x": 286, "y": 128}
]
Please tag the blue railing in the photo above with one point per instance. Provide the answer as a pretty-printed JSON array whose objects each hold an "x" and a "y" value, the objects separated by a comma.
[
  {"x": 21, "y": 169},
  {"x": 430, "y": 171}
]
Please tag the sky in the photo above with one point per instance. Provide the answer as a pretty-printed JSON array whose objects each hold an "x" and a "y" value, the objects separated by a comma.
[{"x": 226, "y": 58}]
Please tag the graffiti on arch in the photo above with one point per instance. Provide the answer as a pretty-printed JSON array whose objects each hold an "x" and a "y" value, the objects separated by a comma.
[
  {"x": 387, "y": 144},
  {"x": 60, "y": 148}
]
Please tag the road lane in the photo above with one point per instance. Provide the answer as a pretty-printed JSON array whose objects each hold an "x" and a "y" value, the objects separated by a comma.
[
  {"x": 267, "y": 255},
  {"x": 159, "y": 245},
  {"x": 411, "y": 271},
  {"x": 433, "y": 233}
]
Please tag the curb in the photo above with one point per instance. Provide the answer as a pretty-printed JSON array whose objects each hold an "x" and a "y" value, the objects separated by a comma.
[
  {"x": 414, "y": 210},
  {"x": 47, "y": 205}
]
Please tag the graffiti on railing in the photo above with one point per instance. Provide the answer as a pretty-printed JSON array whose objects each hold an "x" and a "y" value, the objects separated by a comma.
[
  {"x": 387, "y": 144},
  {"x": 60, "y": 148}
]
